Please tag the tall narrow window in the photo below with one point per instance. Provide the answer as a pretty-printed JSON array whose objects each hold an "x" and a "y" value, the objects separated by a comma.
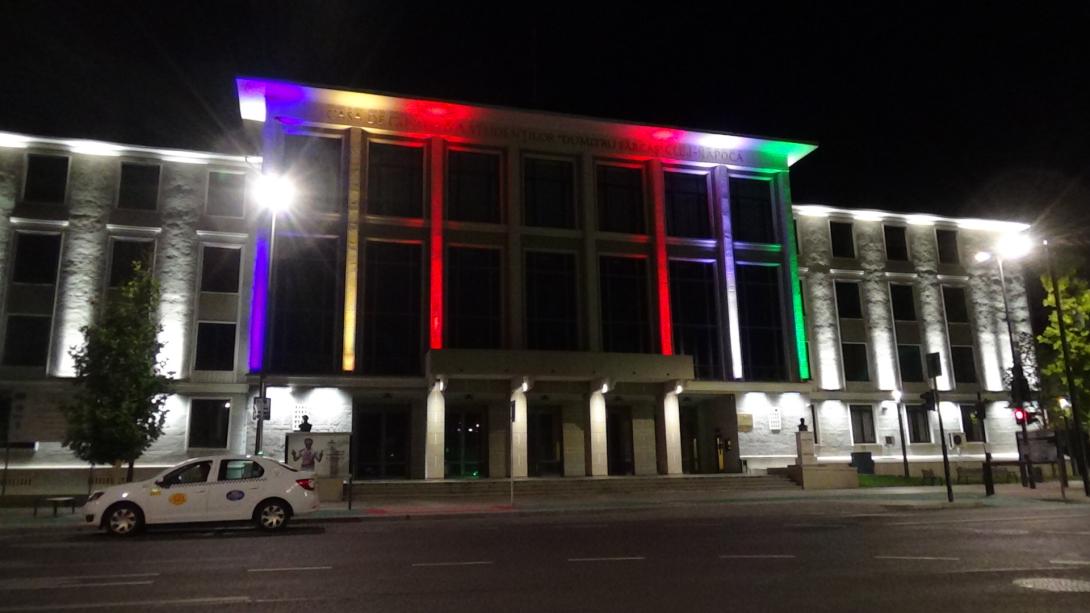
[
  {"x": 972, "y": 425},
  {"x": 948, "y": 246},
  {"x": 625, "y": 323},
  {"x": 896, "y": 243},
  {"x": 620, "y": 200},
  {"x": 843, "y": 239},
  {"x": 953, "y": 298},
  {"x": 848, "y": 305},
  {"x": 306, "y": 305},
  {"x": 29, "y": 309},
  {"x": 125, "y": 254},
  {"x": 552, "y": 320},
  {"x": 752, "y": 218},
  {"x": 911, "y": 363},
  {"x": 37, "y": 257},
  {"x": 919, "y": 424},
  {"x": 549, "y": 192},
  {"x": 395, "y": 180},
  {"x": 208, "y": 422},
  {"x": 46, "y": 179},
  {"x": 226, "y": 194},
  {"x": 215, "y": 346},
  {"x": 473, "y": 186},
  {"x": 220, "y": 269},
  {"x": 856, "y": 367},
  {"x": 904, "y": 302},
  {"x": 687, "y": 211},
  {"x": 760, "y": 320},
  {"x": 695, "y": 318},
  {"x": 863, "y": 424},
  {"x": 314, "y": 163},
  {"x": 964, "y": 364},
  {"x": 139, "y": 187},
  {"x": 391, "y": 309},
  {"x": 473, "y": 299}
]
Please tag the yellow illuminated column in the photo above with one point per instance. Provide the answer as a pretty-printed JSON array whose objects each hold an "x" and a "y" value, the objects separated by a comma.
[
  {"x": 434, "y": 467},
  {"x": 597, "y": 458},
  {"x": 356, "y": 143}
]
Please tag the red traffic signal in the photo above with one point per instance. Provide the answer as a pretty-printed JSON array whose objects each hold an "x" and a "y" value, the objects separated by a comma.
[{"x": 1019, "y": 415}]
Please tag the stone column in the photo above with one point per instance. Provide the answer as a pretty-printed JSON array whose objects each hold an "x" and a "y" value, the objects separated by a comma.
[
  {"x": 499, "y": 450},
  {"x": 518, "y": 457},
  {"x": 435, "y": 432},
  {"x": 643, "y": 439},
  {"x": 183, "y": 190},
  {"x": 597, "y": 458},
  {"x": 668, "y": 435},
  {"x": 574, "y": 433}
]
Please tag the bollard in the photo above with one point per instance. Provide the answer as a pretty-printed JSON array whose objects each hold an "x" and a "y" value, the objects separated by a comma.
[{"x": 989, "y": 481}]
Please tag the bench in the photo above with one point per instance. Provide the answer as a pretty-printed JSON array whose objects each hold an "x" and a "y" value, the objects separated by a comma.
[{"x": 56, "y": 501}]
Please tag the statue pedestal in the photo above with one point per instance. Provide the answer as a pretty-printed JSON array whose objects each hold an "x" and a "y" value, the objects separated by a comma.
[
  {"x": 813, "y": 476},
  {"x": 804, "y": 449}
]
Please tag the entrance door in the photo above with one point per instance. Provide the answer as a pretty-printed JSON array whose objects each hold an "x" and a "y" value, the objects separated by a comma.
[
  {"x": 690, "y": 440},
  {"x": 619, "y": 441},
  {"x": 544, "y": 446},
  {"x": 466, "y": 443},
  {"x": 381, "y": 442}
]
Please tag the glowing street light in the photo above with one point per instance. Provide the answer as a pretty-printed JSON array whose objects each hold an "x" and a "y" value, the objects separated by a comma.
[{"x": 274, "y": 192}]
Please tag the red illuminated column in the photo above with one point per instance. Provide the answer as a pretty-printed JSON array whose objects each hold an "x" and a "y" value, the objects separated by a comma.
[
  {"x": 435, "y": 293},
  {"x": 662, "y": 268}
]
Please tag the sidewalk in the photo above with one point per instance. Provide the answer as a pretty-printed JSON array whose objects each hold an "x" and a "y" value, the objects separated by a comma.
[{"x": 1046, "y": 496}]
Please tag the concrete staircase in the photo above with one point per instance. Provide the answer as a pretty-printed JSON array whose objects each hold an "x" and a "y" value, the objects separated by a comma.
[{"x": 679, "y": 486}]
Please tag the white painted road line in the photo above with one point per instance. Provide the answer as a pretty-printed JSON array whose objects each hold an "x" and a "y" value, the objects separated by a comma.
[
  {"x": 108, "y": 584},
  {"x": 615, "y": 559},
  {"x": 757, "y": 556},
  {"x": 475, "y": 563},
  {"x": 287, "y": 569},
  {"x": 986, "y": 520},
  {"x": 227, "y": 600},
  {"x": 925, "y": 558},
  {"x": 1071, "y": 562},
  {"x": 94, "y": 577}
]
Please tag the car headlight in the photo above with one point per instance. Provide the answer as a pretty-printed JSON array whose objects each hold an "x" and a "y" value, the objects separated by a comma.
[{"x": 95, "y": 496}]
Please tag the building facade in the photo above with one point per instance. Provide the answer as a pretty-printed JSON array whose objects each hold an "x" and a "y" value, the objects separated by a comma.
[{"x": 479, "y": 292}]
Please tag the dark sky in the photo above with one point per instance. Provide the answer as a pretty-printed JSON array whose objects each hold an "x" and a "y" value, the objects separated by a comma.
[{"x": 953, "y": 108}]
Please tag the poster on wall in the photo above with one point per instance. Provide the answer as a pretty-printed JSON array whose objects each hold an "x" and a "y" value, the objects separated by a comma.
[{"x": 323, "y": 453}]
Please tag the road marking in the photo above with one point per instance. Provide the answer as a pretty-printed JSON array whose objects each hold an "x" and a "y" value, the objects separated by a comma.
[
  {"x": 1014, "y": 569},
  {"x": 926, "y": 558},
  {"x": 1071, "y": 562},
  {"x": 122, "y": 576},
  {"x": 757, "y": 556},
  {"x": 109, "y": 584},
  {"x": 133, "y": 603},
  {"x": 475, "y": 563},
  {"x": 287, "y": 569},
  {"x": 614, "y": 559},
  {"x": 77, "y": 581},
  {"x": 989, "y": 519}
]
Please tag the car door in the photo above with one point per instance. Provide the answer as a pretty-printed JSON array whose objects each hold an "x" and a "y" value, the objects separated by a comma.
[
  {"x": 237, "y": 488},
  {"x": 181, "y": 495}
]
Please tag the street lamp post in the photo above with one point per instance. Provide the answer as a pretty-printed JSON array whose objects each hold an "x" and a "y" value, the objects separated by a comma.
[
  {"x": 1080, "y": 448},
  {"x": 274, "y": 193},
  {"x": 897, "y": 395}
]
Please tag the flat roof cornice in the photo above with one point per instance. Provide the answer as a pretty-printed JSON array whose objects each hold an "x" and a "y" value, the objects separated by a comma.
[{"x": 916, "y": 219}]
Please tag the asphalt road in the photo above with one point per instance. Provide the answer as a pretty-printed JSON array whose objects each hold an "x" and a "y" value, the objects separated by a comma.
[{"x": 760, "y": 557}]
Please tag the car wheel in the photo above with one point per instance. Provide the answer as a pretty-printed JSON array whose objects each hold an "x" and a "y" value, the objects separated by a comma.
[
  {"x": 272, "y": 515},
  {"x": 123, "y": 519}
]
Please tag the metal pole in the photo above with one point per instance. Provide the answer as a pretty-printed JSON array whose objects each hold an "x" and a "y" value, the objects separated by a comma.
[
  {"x": 901, "y": 426},
  {"x": 1017, "y": 376},
  {"x": 511, "y": 456},
  {"x": 262, "y": 387},
  {"x": 942, "y": 435},
  {"x": 1080, "y": 446}
]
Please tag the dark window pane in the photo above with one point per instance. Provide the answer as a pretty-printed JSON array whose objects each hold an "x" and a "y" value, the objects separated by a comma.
[
  {"x": 314, "y": 163},
  {"x": 215, "y": 346},
  {"x": 761, "y": 323},
  {"x": 751, "y": 213},
  {"x": 954, "y": 300},
  {"x": 473, "y": 186},
  {"x": 972, "y": 424},
  {"x": 911, "y": 364},
  {"x": 620, "y": 200},
  {"x": 391, "y": 309},
  {"x": 694, "y": 316},
  {"x": 904, "y": 302},
  {"x": 626, "y": 327},
  {"x": 26, "y": 342},
  {"x": 862, "y": 424},
  {"x": 226, "y": 194},
  {"x": 233, "y": 470},
  {"x": 208, "y": 421},
  {"x": 307, "y": 305},
  {"x": 395, "y": 180},
  {"x": 220, "y": 269},
  {"x": 196, "y": 472},
  {"x": 139, "y": 187},
  {"x": 919, "y": 424},
  {"x": 964, "y": 364},
  {"x": 46, "y": 179},
  {"x": 36, "y": 258},
  {"x": 848, "y": 305},
  {"x": 473, "y": 298},
  {"x": 549, "y": 193},
  {"x": 842, "y": 239},
  {"x": 125, "y": 254},
  {"x": 855, "y": 362},
  {"x": 948, "y": 246},
  {"x": 896, "y": 243},
  {"x": 687, "y": 212},
  {"x": 552, "y": 319}
]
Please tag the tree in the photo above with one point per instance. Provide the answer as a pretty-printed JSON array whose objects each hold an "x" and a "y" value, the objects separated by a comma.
[
  {"x": 1075, "y": 293},
  {"x": 116, "y": 412}
]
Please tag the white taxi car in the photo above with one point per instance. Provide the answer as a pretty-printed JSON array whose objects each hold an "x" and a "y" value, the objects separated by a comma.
[{"x": 213, "y": 489}]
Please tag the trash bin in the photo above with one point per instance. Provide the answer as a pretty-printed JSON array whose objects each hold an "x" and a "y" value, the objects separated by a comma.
[{"x": 863, "y": 462}]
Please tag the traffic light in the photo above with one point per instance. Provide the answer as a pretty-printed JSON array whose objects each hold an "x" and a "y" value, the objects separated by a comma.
[
  {"x": 1019, "y": 416},
  {"x": 927, "y": 399}
]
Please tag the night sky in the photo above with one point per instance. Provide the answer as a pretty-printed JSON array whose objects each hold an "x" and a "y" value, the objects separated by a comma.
[{"x": 955, "y": 109}]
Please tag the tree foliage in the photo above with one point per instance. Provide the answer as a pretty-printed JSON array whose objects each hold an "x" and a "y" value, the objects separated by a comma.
[
  {"x": 116, "y": 412},
  {"x": 1075, "y": 295}
]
